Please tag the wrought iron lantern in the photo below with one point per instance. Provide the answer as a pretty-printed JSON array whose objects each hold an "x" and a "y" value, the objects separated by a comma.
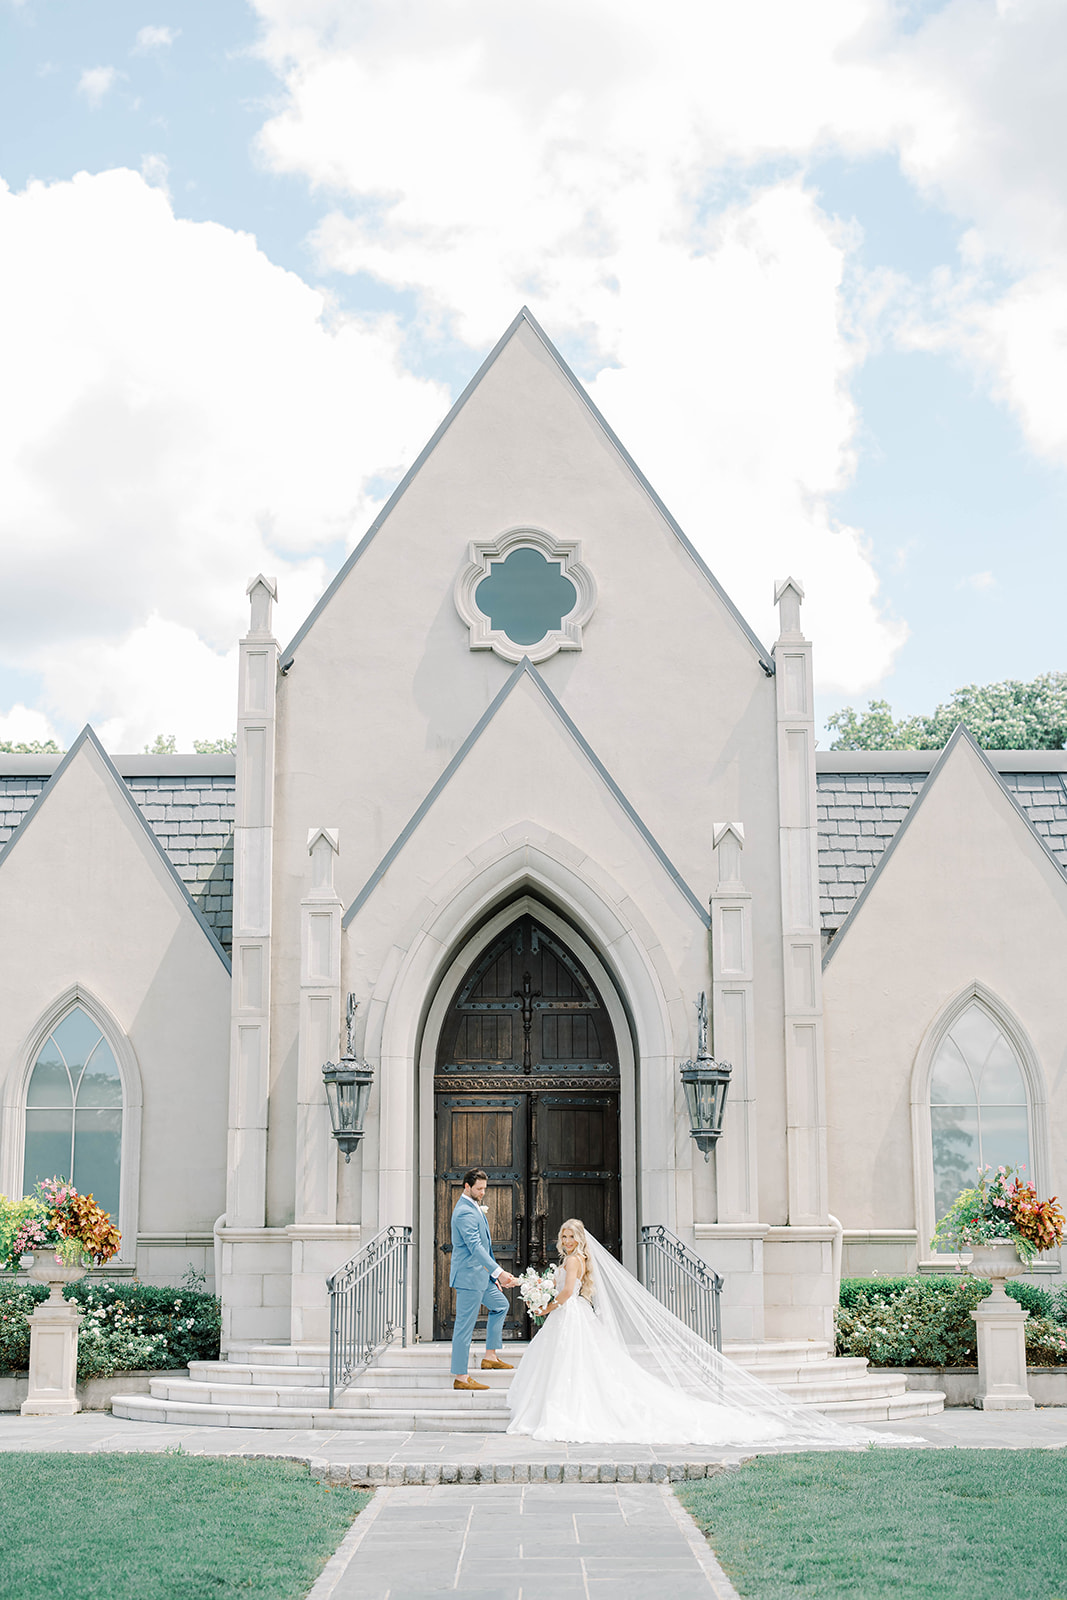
[
  {"x": 705, "y": 1082},
  {"x": 348, "y": 1084}
]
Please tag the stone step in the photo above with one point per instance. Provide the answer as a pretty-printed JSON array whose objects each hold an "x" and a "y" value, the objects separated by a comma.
[
  {"x": 411, "y": 1378},
  {"x": 244, "y": 1373},
  {"x": 824, "y": 1394},
  {"x": 182, "y": 1390},
  {"x": 189, "y": 1413},
  {"x": 892, "y": 1408},
  {"x": 768, "y": 1351},
  {"x": 281, "y": 1355}
]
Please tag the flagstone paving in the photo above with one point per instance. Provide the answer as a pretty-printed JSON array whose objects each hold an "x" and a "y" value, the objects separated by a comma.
[
  {"x": 513, "y": 1519},
  {"x": 1045, "y": 1428},
  {"x": 535, "y": 1542}
]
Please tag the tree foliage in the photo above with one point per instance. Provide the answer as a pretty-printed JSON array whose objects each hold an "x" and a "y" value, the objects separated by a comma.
[
  {"x": 35, "y": 747},
  {"x": 1002, "y": 716}
]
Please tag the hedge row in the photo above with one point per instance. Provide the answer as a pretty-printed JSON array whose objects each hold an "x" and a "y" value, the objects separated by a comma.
[
  {"x": 125, "y": 1327},
  {"x": 926, "y": 1322}
]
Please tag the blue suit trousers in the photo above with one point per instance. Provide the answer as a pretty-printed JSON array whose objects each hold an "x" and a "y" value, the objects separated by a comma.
[{"x": 468, "y": 1304}]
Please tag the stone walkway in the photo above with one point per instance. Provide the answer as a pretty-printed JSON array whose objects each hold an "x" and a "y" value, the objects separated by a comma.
[
  {"x": 418, "y": 1458},
  {"x": 535, "y": 1542},
  {"x": 487, "y": 1517}
]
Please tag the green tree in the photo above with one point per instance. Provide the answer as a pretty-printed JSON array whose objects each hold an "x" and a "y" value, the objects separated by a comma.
[
  {"x": 1002, "y": 716},
  {"x": 164, "y": 744},
  {"x": 216, "y": 747},
  {"x": 36, "y": 747}
]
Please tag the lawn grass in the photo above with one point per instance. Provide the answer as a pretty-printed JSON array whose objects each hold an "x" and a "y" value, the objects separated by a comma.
[
  {"x": 164, "y": 1527},
  {"x": 913, "y": 1524}
]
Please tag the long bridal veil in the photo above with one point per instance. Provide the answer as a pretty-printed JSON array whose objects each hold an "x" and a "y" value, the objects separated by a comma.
[{"x": 665, "y": 1347}]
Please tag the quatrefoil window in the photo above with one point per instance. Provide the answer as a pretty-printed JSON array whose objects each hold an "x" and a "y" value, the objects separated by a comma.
[{"x": 525, "y": 594}]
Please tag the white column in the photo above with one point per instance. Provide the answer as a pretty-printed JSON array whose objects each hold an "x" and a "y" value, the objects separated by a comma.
[
  {"x": 732, "y": 1026},
  {"x": 320, "y": 1028},
  {"x": 801, "y": 952},
  {"x": 252, "y": 861},
  {"x": 1000, "y": 1323},
  {"x": 53, "y": 1358}
]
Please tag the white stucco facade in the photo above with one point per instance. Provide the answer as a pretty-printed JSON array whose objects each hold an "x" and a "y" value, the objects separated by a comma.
[{"x": 642, "y": 781}]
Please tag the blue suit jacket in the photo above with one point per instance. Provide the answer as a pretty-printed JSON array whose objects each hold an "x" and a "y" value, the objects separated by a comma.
[{"x": 473, "y": 1263}]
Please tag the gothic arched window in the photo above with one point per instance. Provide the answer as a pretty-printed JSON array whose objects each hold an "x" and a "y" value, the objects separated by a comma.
[
  {"x": 74, "y": 1111},
  {"x": 979, "y": 1113}
]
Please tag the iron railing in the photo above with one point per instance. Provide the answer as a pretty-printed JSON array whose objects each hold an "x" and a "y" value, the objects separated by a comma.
[
  {"x": 682, "y": 1282},
  {"x": 368, "y": 1304}
]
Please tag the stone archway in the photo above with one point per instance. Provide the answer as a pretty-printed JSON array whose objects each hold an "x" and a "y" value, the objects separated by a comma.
[{"x": 526, "y": 1085}]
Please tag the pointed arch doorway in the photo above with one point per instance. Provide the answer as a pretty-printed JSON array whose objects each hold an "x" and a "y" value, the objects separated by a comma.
[{"x": 526, "y": 1085}]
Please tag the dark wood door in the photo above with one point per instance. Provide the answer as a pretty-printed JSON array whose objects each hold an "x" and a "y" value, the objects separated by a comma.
[{"x": 526, "y": 1087}]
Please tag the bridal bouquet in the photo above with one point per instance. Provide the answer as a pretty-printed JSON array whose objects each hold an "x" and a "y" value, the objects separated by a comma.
[{"x": 537, "y": 1290}]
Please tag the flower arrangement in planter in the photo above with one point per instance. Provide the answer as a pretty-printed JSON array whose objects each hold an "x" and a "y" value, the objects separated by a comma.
[
  {"x": 56, "y": 1221},
  {"x": 1002, "y": 1208}
]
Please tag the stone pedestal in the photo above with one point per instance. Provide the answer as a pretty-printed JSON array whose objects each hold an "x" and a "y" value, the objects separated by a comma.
[
  {"x": 53, "y": 1358},
  {"x": 1001, "y": 1353}
]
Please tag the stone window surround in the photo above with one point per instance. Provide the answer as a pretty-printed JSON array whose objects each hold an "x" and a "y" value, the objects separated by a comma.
[
  {"x": 12, "y": 1150},
  {"x": 480, "y": 557},
  {"x": 922, "y": 1137}
]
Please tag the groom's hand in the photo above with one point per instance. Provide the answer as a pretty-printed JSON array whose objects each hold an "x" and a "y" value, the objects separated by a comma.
[{"x": 506, "y": 1281}]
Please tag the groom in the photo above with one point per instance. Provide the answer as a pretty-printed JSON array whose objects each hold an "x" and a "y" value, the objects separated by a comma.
[{"x": 477, "y": 1280}]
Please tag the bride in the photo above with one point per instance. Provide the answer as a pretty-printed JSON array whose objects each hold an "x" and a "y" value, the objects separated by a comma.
[{"x": 611, "y": 1365}]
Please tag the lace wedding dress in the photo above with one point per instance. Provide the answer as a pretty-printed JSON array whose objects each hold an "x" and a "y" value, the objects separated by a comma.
[{"x": 626, "y": 1371}]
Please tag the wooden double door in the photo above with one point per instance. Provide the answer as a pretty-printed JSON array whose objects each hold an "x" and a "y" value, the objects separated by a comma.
[{"x": 527, "y": 1088}]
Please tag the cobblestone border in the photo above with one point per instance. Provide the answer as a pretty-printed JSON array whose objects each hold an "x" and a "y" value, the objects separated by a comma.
[{"x": 389, "y": 1474}]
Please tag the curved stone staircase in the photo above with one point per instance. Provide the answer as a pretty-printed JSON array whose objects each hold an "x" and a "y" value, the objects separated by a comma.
[{"x": 410, "y": 1389}]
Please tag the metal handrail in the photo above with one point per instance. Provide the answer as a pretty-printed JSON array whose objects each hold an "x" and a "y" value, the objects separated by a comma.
[
  {"x": 683, "y": 1282},
  {"x": 368, "y": 1304}
]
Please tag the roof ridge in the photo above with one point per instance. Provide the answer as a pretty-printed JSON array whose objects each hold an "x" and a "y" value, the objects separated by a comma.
[
  {"x": 765, "y": 657},
  {"x": 524, "y": 668}
]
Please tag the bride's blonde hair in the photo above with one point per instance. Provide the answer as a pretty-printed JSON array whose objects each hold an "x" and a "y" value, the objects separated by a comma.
[{"x": 585, "y": 1286}]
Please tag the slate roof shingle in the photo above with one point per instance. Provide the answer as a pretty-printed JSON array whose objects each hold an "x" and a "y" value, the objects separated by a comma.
[
  {"x": 859, "y": 812},
  {"x": 190, "y": 813}
]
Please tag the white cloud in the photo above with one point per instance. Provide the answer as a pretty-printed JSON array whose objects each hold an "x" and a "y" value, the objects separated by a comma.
[
  {"x": 26, "y": 725},
  {"x": 977, "y": 580},
  {"x": 570, "y": 157},
  {"x": 187, "y": 414},
  {"x": 96, "y": 84},
  {"x": 155, "y": 169},
  {"x": 154, "y": 39}
]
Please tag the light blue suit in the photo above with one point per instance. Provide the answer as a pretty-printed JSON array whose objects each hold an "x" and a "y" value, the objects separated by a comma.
[{"x": 471, "y": 1275}]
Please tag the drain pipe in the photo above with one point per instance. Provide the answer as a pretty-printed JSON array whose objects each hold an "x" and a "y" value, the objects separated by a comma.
[{"x": 837, "y": 1250}]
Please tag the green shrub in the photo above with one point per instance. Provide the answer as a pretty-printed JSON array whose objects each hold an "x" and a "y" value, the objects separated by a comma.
[
  {"x": 926, "y": 1322},
  {"x": 1046, "y": 1343},
  {"x": 186, "y": 1321},
  {"x": 17, "y": 1301},
  {"x": 126, "y": 1326}
]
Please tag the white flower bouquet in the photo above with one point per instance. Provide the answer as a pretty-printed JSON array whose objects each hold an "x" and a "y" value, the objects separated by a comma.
[{"x": 537, "y": 1290}]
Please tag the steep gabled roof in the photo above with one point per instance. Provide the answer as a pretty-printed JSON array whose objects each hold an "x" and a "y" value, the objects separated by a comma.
[
  {"x": 962, "y": 735},
  {"x": 525, "y": 668},
  {"x": 88, "y": 737},
  {"x": 766, "y": 660}
]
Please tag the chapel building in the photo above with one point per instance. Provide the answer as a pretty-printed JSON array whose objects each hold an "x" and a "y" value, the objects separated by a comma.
[{"x": 526, "y": 786}]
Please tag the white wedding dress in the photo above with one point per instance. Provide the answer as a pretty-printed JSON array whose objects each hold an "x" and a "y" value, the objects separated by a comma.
[{"x": 629, "y": 1372}]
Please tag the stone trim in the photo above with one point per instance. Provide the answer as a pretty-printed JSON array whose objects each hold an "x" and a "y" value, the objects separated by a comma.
[{"x": 481, "y": 556}]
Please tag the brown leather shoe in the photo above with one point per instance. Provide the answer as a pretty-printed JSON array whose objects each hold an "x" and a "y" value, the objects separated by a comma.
[
  {"x": 468, "y": 1383},
  {"x": 496, "y": 1366}
]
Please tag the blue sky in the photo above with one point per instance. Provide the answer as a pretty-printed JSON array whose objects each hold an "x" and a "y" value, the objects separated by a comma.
[{"x": 813, "y": 274}]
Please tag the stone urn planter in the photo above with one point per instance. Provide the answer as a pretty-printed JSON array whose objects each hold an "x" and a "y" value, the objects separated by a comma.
[
  {"x": 998, "y": 1261},
  {"x": 1000, "y": 1322},
  {"x": 53, "y": 1341},
  {"x": 44, "y": 1268}
]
